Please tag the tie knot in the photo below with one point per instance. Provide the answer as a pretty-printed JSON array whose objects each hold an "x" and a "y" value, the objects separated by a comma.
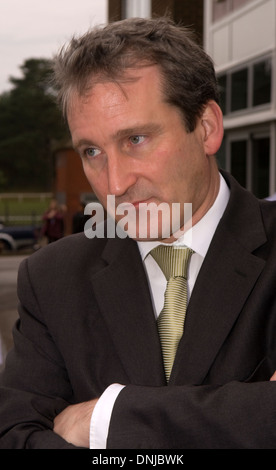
[{"x": 173, "y": 261}]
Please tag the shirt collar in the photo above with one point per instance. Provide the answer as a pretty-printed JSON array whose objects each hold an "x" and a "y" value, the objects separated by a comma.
[{"x": 199, "y": 237}]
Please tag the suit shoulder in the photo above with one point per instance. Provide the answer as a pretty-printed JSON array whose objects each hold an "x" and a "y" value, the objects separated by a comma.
[
  {"x": 66, "y": 254},
  {"x": 268, "y": 210}
]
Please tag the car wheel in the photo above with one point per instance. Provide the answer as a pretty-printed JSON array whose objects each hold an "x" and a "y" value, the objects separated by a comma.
[{"x": 5, "y": 246}]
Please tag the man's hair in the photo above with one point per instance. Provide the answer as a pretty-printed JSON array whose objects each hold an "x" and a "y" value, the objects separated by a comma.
[{"x": 106, "y": 53}]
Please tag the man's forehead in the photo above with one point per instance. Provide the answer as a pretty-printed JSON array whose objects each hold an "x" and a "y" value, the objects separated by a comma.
[{"x": 102, "y": 85}]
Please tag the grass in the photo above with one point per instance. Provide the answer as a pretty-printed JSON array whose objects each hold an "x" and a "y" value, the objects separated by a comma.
[{"x": 21, "y": 210}]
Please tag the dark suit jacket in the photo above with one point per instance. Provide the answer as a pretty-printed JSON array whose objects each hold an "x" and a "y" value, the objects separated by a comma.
[{"x": 86, "y": 321}]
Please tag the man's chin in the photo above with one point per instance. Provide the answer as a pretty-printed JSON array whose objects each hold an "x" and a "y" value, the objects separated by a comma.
[{"x": 145, "y": 235}]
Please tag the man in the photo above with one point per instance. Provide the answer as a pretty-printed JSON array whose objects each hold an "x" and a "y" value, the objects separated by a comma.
[{"x": 87, "y": 369}]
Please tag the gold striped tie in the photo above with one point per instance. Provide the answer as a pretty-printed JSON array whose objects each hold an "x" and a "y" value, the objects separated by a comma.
[{"x": 174, "y": 264}]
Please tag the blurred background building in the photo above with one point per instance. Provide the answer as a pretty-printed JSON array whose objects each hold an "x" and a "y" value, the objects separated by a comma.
[
  {"x": 240, "y": 36},
  {"x": 184, "y": 11}
]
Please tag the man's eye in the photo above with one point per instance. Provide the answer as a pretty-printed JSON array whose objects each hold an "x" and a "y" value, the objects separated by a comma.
[
  {"x": 137, "y": 139},
  {"x": 92, "y": 152}
]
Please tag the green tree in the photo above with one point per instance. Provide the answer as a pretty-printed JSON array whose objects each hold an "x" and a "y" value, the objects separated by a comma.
[{"x": 30, "y": 123}]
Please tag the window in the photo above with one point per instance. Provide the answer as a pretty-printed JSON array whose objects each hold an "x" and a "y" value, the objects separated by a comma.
[
  {"x": 262, "y": 83},
  {"x": 260, "y": 167},
  {"x": 222, "y": 83},
  {"x": 238, "y": 161},
  {"x": 239, "y": 86},
  {"x": 220, "y": 9},
  {"x": 247, "y": 87},
  {"x": 249, "y": 161},
  {"x": 224, "y": 7}
]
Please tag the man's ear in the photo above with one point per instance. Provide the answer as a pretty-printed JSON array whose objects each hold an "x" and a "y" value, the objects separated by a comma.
[{"x": 212, "y": 128}]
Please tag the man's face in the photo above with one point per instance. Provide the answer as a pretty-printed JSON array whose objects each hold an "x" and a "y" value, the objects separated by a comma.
[{"x": 134, "y": 146}]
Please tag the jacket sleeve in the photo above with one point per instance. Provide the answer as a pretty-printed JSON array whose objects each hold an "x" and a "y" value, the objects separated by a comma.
[
  {"x": 34, "y": 387},
  {"x": 232, "y": 416}
]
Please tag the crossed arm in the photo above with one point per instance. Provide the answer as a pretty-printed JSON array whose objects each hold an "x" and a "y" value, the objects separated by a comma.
[
  {"x": 153, "y": 413},
  {"x": 73, "y": 423}
]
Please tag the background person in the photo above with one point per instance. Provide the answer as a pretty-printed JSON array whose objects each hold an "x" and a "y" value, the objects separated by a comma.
[{"x": 53, "y": 222}]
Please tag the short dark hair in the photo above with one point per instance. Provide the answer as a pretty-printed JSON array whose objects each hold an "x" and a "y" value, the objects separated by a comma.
[{"x": 107, "y": 52}]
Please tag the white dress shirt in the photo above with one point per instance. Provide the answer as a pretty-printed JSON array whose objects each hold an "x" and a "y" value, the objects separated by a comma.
[{"x": 198, "y": 239}]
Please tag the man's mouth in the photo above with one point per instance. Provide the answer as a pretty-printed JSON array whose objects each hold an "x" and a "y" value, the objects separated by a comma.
[{"x": 135, "y": 204}]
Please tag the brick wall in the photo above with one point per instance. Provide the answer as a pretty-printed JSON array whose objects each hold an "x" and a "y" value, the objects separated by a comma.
[{"x": 70, "y": 183}]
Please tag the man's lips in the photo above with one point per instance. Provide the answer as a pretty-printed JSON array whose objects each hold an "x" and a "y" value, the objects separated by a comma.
[{"x": 135, "y": 204}]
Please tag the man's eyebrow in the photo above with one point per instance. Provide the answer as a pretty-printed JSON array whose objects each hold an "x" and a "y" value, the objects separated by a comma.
[{"x": 137, "y": 130}]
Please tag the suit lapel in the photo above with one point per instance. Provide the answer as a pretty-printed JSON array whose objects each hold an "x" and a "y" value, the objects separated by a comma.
[
  {"x": 223, "y": 286},
  {"x": 227, "y": 276},
  {"x": 124, "y": 300}
]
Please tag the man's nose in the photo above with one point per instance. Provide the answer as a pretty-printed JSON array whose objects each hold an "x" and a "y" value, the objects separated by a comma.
[{"x": 121, "y": 174}]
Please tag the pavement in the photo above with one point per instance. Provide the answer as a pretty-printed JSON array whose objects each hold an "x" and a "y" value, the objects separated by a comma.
[{"x": 8, "y": 301}]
